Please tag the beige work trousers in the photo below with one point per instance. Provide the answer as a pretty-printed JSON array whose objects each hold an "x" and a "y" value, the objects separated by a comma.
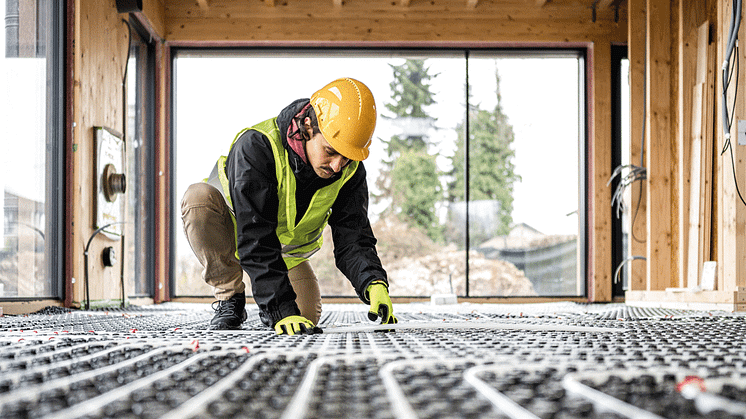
[{"x": 209, "y": 228}]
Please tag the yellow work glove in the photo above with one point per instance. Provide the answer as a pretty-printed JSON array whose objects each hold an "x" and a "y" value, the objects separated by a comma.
[
  {"x": 380, "y": 303},
  {"x": 292, "y": 325}
]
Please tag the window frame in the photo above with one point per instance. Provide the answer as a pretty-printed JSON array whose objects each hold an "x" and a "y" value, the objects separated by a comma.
[
  {"x": 585, "y": 197},
  {"x": 57, "y": 111},
  {"x": 619, "y": 250},
  {"x": 145, "y": 112}
]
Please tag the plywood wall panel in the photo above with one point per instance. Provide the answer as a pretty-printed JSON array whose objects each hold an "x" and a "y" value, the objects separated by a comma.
[
  {"x": 100, "y": 50},
  {"x": 600, "y": 155},
  {"x": 661, "y": 176},
  {"x": 638, "y": 198},
  {"x": 731, "y": 211}
]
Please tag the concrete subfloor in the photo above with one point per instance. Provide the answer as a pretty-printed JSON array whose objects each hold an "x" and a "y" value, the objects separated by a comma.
[{"x": 554, "y": 360}]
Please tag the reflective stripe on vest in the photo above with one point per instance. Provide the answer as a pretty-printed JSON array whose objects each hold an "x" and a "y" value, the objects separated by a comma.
[{"x": 299, "y": 241}]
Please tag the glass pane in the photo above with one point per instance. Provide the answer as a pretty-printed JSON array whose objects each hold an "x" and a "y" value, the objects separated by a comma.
[
  {"x": 23, "y": 138},
  {"x": 627, "y": 216},
  {"x": 138, "y": 196},
  {"x": 416, "y": 168},
  {"x": 238, "y": 101},
  {"x": 523, "y": 176}
]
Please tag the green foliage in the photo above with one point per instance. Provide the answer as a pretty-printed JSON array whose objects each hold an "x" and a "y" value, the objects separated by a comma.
[
  {"x": 410, "y": 89},
  {"x": 491, "y": 169},
  {"x": 410, "y": 176},
  {"x": 417, "y": 190}
]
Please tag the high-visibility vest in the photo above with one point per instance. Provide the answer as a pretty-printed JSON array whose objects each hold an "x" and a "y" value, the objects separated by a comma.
[{"x": 299, "y": 241}]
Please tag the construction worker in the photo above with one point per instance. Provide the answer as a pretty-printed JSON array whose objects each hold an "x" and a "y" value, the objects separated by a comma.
[{"x": 266, "y": 203}]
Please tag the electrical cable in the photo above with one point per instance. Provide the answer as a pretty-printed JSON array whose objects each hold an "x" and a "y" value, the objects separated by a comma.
[
  {"x": 637, "y": 173},
  {"x": 129, "y": 49},
  {"x": 95, "y": 233},
  {"x": 85, "y": 261},
  {"x": 619, "y": 267},
  {"x": 727, "y": 75}
]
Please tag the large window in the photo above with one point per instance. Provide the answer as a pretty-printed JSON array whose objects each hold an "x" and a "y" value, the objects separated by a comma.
[
  {"x": 31, "y": 161},
  {"x": 484, "y": 203}
]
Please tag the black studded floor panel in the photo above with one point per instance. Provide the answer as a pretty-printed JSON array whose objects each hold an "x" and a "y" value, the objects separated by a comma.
[{"x": 558, "y": 360}]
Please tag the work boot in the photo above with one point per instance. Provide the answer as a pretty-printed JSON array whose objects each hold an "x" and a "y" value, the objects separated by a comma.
[{"x": 230, "y": 313}]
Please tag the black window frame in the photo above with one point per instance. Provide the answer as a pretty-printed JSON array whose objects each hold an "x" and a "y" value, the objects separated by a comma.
[
  {"x": 618, "y": 241},
  {"x": 145, "y": 110},
  {"x": 583, "y": 130}
]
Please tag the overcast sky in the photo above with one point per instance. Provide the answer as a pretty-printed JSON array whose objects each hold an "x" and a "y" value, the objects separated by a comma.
[{"x": 217, "y": 97}]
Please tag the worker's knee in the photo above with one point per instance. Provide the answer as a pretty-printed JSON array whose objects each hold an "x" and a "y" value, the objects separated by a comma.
[{"x": 201, "y": 195}]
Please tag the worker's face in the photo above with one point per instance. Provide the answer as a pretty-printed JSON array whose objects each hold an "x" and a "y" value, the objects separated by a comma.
[{"x": 324, "y": 159}]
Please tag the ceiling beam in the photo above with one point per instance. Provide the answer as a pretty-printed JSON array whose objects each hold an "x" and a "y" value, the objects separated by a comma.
[
  {"x": 204, "y": 5},
  {"x": 604, "y": 4}
]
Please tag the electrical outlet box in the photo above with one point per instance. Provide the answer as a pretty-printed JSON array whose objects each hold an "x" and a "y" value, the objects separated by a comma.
[
  {"x": 110, "y": 181},
  {"x": 741, "y": 132}
]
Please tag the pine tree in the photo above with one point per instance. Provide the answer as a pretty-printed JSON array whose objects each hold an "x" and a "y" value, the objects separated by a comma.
[
  {"x": 491, "y": 169},
  {"x": 410, "y": 177}
]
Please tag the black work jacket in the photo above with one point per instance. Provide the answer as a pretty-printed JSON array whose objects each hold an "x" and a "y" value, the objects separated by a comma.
[{"x": 250, "y": 168}]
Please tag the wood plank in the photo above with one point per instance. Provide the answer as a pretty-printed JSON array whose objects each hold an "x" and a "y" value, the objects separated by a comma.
[
  {"x": 732, "y": 212},
  {"x": 638, "y": 203},
  {"x": 708, "y": 133},
  {"x": 660, "y": 182},
  {"x": 699, "y": 111},
  {"x": 604, "y": 4},
  {"x": 153, "y": 17},
  {"x": 412, "y": 30},
  {"x": 600, "y": 155},
  {"x": 163, "y": 149},
  {"x": 687, "y": 78},
  {"x": 378, "y": 20},
  {"x": 701, "y": 160},
  {"x": 703, "y": 300},
  {"x": 311, "y": 9},
  {"x": 101, "y": 42},
  {"x": 695, "y": 173}
]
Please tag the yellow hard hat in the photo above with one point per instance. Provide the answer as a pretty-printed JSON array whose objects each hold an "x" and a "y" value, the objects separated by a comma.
[{"x": 346, "y": 112}]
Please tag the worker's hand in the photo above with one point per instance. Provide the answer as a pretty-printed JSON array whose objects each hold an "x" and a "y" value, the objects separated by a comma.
[
  {"x": 380, "y": 303},
  {"x": 292, "y": 325}
]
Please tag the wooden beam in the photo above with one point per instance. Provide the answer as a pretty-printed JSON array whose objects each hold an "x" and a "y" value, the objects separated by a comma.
[
  {"x": 661, "y": 266},
  {"x": 638, "y": 198},
  {"x": 600, "y": 161},
  {"x": 731, "y": 227},
  {"x": 604, "y": 4},
  {"x": 700, "y": 215}
]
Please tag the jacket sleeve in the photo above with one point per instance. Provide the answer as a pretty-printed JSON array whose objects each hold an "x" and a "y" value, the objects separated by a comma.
[
  {"x": 250, "y": 169},
  {"x": 354, "y": 243}
]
